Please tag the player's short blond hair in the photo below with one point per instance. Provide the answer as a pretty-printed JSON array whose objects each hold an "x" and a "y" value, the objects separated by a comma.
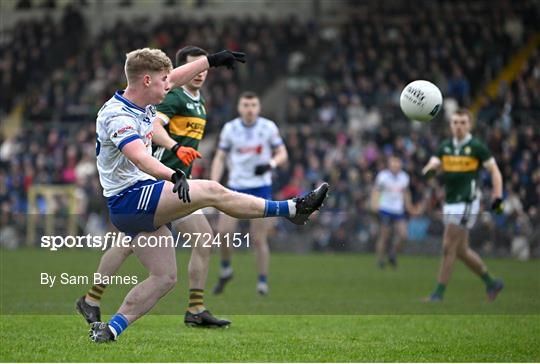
[{"x": 146, "y": 60}]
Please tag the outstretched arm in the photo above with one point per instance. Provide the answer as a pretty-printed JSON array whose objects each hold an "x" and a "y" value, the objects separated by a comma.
[{"x": 185, "y": 73}]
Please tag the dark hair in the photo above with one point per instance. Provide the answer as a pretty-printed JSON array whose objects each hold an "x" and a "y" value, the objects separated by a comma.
[
  {"x": 183, "y": 53},
  {"x": 248, "y": 95}
]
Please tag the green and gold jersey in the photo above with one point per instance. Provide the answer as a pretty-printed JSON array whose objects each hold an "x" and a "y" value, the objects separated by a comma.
[
  {"x": 460, "y": 164},
  {"x": 186, "y": 119}
]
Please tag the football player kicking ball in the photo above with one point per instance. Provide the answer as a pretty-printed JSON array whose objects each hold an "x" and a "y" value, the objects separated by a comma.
[
  {"x": 178, "y": 128},
  {"x": 252, "y": 147},
  {"x": 461, "y": 158},
  {"x": 144, "y": 195}
]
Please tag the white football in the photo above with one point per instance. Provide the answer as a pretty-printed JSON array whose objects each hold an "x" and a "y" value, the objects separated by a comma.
[{"x": 421, "y": 100}]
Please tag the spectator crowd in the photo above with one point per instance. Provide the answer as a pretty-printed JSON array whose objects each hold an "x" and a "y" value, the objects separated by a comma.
[{"x": 341, "y": 113}]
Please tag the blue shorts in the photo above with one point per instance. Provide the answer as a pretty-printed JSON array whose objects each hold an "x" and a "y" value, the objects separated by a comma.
[
  {"x": 262, "y": 192},
  {"x": 389, "y": 217},
  {"x": 132, "y": 210}
]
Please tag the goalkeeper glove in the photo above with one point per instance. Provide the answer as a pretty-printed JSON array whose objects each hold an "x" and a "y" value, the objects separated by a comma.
[
  {"x": 497, "y": 205},
  {"x": 181, "y": 185},
  {"x": 226, "y": 58},
  {"x": 186, "y": 154}
]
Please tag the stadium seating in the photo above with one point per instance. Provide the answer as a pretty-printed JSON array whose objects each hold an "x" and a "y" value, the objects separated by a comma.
[{"x": 342, "y": 116}]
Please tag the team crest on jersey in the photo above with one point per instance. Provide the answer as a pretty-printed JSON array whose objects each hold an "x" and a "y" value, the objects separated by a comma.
[
  {"x": 146, "y": 119},
  {"x": 152, "y": 110},
  {"x": 190, "y": 106},
  {"x": 467, "y": 150},
  {"x": 446, "y": 150}
]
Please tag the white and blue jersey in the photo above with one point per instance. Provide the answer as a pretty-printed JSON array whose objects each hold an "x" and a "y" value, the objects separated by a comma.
[
  {"x": 119, "y": 122},
  {"x": 132, "y": 195},
  {"x": 246, "y": 147},
  {"x": 392, "y": 188}
]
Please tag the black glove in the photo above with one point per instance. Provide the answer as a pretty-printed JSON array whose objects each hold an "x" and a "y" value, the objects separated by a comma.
[
  {"x": 262, "y": 169},
  {"x": 226, "y": 58},
  {"x": 497, "y": 205},
  {"x": 429, "y": 174},
  {"x": 181, "y": 185}
]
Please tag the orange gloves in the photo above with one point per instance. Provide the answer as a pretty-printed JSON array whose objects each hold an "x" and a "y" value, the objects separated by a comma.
[{"x": 186, "y": 154}]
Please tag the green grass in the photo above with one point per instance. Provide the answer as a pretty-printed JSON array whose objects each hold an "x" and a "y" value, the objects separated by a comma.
[
  {"x": 321, "y": 307},
  {"x": 281, "y": 338}
]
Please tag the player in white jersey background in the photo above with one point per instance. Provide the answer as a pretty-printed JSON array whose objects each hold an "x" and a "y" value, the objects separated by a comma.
[
  {"x": 391, "y": 198},
  {"x": 250, "y": 146}
]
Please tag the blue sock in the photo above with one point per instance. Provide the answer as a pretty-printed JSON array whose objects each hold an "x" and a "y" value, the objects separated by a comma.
[
  {"x": 225, "y": 264},
  {"x": 117, "y": 324},
  {"x": 262, "y": 278},
  {"x": 276, "y": 208}
]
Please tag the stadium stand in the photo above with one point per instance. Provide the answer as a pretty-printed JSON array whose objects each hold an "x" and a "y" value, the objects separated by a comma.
[{"x": 341, "y": 114}]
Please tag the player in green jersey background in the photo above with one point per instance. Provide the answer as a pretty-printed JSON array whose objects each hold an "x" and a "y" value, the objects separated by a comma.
[
  {"x": 460, "y": 158},
  {"x": 181, "y": 119},
  {"x": 178, "y": 129}
]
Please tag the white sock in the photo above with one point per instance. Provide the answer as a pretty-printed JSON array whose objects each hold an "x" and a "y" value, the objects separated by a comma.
[
  {"x": 226, "y": 272},
  {"x": 113, "y": 331},
  {"x": 292, "y": 208}
]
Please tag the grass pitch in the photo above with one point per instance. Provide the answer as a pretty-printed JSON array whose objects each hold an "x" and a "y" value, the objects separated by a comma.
[{"x": 321, "y": 307}]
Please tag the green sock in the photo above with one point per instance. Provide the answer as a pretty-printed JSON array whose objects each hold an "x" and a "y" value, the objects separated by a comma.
[
  {"x": 439, "y": 291},
  {"x": 488, "y": 280}
]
